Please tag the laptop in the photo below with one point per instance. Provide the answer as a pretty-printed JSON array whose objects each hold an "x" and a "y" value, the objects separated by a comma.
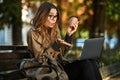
[{"x": 92, "y": 48}]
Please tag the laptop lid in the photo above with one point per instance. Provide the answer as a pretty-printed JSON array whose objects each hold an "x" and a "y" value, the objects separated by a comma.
[{"x": 92, "y": 48}]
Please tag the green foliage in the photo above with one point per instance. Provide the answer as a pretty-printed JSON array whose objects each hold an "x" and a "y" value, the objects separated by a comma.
[
  {"x": 113, "y": 9},
  {"x": 84, "y": 33},
  {"x": 10, "y": 10},
  {"x": 107, "y": 60}
]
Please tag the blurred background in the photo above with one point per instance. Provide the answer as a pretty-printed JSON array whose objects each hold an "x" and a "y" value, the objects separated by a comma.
[{"x": 98, "y": 18}]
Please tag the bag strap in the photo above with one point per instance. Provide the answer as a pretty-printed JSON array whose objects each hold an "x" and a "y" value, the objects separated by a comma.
[{"x": 38, "y": 66}]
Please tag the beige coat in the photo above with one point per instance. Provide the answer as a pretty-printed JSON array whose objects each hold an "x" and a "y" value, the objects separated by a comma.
[{"x": 34, "y": 41}]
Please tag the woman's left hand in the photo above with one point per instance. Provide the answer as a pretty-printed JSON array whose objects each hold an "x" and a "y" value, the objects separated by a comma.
[
  {"x": 72, "y": 26},
  {"x": 64, "y": 43}
]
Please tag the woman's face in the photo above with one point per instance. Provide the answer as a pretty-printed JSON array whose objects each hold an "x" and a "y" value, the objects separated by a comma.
[{"x": 52, "y": 18}]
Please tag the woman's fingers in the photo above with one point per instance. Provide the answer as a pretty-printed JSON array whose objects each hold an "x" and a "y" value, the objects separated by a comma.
[{"x": 62, "y": 42}]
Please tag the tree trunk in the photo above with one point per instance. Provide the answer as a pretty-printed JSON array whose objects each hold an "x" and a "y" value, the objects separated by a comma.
[
  {"x": 16, "y": 33},
  {"x": 98, "y": 24},
  {"x": 59, "y": 6},
  {"x": 17, "y": 25}
]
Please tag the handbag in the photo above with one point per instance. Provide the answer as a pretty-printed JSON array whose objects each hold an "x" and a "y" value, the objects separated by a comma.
[{"x": 48, "y": 69}]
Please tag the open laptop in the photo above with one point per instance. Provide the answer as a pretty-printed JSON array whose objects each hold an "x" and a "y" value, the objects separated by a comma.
[{"x": 92, "y": 48}]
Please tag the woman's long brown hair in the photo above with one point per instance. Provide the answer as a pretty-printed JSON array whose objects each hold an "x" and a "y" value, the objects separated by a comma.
[{"x": 48, "y": 35}]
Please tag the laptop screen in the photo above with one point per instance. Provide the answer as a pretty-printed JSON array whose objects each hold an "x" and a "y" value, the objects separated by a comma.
[{"x": 92, "y": 48}]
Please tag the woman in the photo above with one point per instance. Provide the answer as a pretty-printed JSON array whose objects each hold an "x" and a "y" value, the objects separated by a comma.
[{"x": 45, "y": 34}]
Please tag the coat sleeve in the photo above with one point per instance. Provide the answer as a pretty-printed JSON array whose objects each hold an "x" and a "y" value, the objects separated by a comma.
[
  {"x": 66, "y": 48},
  {"x": 68, "y": 38},
  {"x": 57, "y": 47}
]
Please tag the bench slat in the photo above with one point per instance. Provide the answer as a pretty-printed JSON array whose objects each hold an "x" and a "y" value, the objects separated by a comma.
[
  {"x": 13, "y": 47},
  {"x": 9, "y": 65},
  {"x": 6, "y": 56},
  {"x": 11, "y": 56}
]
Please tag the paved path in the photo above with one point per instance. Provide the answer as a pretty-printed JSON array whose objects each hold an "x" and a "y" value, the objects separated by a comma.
[{"x": 114, "y": 78}]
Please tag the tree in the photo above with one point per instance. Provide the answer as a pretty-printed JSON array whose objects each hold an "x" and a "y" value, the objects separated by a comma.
[
  {"x": 98, "y": 24},
  {"x": 11, "y": 14},
  {"x": 113, "y": 18}
]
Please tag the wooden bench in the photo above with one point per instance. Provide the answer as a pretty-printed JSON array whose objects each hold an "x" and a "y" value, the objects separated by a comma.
[
  {"x": 110, "y": 70},
  {"x": 11, "y": 55}
]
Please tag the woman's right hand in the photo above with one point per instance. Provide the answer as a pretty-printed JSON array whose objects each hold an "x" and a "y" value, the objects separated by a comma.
[{"x": 72, "y": 25}]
